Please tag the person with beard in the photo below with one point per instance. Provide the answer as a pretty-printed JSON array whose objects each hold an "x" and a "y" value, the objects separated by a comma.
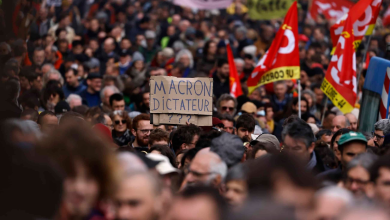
[
  {"x": 245, "y": 126},
  {"x": 221, "y": 78},
  {"x": 38, "y": 58},
  {"x": 141, "y": 131},
  {"x": 144, "y": 107}
]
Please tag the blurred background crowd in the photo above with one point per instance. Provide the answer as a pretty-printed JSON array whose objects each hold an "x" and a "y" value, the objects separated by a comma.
[{"x": 75, "y": 132}]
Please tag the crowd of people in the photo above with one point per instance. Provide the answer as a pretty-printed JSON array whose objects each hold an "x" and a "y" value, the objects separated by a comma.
[{"x": 77, "y": 141}]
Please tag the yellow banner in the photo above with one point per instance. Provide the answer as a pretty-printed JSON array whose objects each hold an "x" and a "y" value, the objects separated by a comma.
[
  {"x": 336, "y": 98},
  {"x": 268, "y": 9},
  {"x": 280, "y": 73}
]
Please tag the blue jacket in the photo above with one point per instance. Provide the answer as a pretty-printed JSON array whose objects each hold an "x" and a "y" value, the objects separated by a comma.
[{"x": 71, "y": 90}]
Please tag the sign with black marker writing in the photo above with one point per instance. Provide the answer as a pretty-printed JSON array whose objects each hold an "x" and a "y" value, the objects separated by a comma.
[{"x": 181, "y": 100}]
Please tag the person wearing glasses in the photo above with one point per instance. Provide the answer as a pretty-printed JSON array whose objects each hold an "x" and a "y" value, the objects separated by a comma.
[
  {"x": 382, "y": 128},
  {"x": 357, "y": 174},
  {"x": 227, "y": 104},
  {"x": 141, "y": 131},
  {"x": 122, "y": 124}
]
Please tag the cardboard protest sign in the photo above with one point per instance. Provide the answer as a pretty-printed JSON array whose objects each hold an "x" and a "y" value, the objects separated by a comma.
[
  {"x": 204, "y": 4},
  {"x": 189, "y": 98},
  {"x": 268, "y": 9},
  {"x": 176, "y": 119}
]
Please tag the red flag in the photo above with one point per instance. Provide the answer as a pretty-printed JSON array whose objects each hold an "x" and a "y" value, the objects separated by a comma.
[
  {"x": 386, "y": 17},
  {"x": 234, "y": 80},
  {"x": 340, "y": 80},
  {"x": 281, "y": 61},
  {"x": 363, "y": 16},
  {"x": 331, "y": 9}
]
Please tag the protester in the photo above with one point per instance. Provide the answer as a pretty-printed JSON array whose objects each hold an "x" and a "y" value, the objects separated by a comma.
[
  {"x": 158, "y": 137},
  {"x": 340, "y": 122},
  {"x": 379, "y": 176},
  {"x": 47, "y": 121},
  {"x": 228, "y": 123},
  {"x": 122, "y": 125},
  {"x": 245, "y": 126},
  {"x": 141, "y": 131},
  {"x": 185, "y": 137},
  {"x": 382, "y": 128},
  {"x": 117, "y": 102},
  {"x": 236, "y": 186},
  {"x": 227, "y": 104}
]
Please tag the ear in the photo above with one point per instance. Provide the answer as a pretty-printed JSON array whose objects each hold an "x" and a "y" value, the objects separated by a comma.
[
  {"x": 311, "y": 148},
  {"x": 217, "y": 181},
  {"x": 134, "y": 132},
  {"x": 183, "y": 146}
]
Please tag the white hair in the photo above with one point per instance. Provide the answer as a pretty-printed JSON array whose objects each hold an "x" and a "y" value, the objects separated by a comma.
[
  {"x": 131, "y": 163},
  {"x": 217, "y": 167},
  {"x": 239, "y": 60},
  {"x": 27, "y": 127},
  {"x": 185, "y": 52},
  {"x": 53, "y": 72},
  {"x": 113, "y": 88},
  {"x": 73, "y": 97},
  {"x": 338, "y": 193}
]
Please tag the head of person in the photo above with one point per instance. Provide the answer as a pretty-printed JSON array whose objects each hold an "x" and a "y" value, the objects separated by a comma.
[
  {"x": 269, "y": 111},
  {"x": 325, "y": 136},
  {"x": 310, "y": 97},
  {"x": 198, "y": 203},
  {"x": 94, "y": 82},
  {"x": 35, "y": 81},
  {"x": 334, "y": 142},
  {"x": 365, "y": 211},
  {"x": 207, "y": 168},
  {"x": 210, "y": 49},
  {"x": 106, "y": 93},
  {"x": 53, "y": 74},
  {"x": 74, "y": 100},
  {"x": 71, "y": 77},
  {"x": 39, "y": 56},
  {"x": 29, "y": 114},
  {"x": 339, "y": 122},
  {"x": 121, "y": 121},
  {"x": 47, "y": 121},
  {"x": 357, "y": 174},
  {"x": 141, "y": 129},
  {"x": 109, "y": 45},
  {"x": 380, "y": 177},
  {"x": 223, "y": 68},
  {"x": 185, "y": 137},
  {"x": 158, "y": 137},
  {"x": 280, "y": 89},
  {"x": 228, "y": 123},
  {"x": 264, "y": 144},
  {"x": 227, "y": 104},
  {"x": 165, "y": 150},
  {"x": 382, "y": 128},
  {"x": 298, "y": 138},
  {"x": 331, "y": 201},
  {"x": 245, "y": 126},
  {"x": 352, "y": 121},
  {"x": 105, "y": 120},
  {"x": 350, "y": 145},
  {"x": 89, "y": 177},
  {"x": 236, "y": 190},
  {"x": 146, "y": 99},
  {"x": 139, "y": 196},
  {"x": 304, "y": 105},
  {"x": 117, "y": 102},
  {"x": 282, "y": 181}
]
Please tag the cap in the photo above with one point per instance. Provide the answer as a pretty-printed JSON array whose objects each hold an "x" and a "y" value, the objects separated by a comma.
[
  {"x": 303, "y": 38},
  {"x": 150, "y": 34},
  {"x": 267, "y": 139},
  {"x": 164, "y": 166},
  {"x": 61, "y": 107},
  {"x": 94, "y": 76},
  {"x": 351, "y": 136},
  {"x": 93, "y": 63},
  {"x": 216, "y": 121},
  {"x": 137, "y": 56},
  {"x": 249, "y": 107},
  {"x": 229, "y": 147}
]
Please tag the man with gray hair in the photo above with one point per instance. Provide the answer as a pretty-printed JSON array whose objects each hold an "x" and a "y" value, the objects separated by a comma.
[
  {"x": 74, "y": 100},
  {"x": 331, "y": 201},
  {"x": 53, "y": 74},
  {"x": 382, "y": 128},
  {"x": 227, "y": 104},
  {"x": 105, "y": 95},
  {"x": 339, "y": 122},
  {"x": 206, "y": 168}
]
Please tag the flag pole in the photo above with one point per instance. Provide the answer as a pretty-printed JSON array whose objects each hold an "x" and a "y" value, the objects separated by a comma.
[
  {"x": 299, "y": 98},
  {"x": 364, "y": 60},
  {"x": 323, "y": 112}
]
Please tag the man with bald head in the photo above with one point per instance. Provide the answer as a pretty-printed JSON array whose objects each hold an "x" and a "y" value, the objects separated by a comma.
[
  {"x": 206, "y": 168},
  {"x": 139, "y": 197},
  {"x": 339, "y": 122},
  {"x": 352, "y": 121}
]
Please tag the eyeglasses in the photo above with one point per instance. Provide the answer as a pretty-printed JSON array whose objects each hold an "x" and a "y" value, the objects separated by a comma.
[
  {"x": 350, "y": 180},
  {"x": 117, "y": 122},
  {"x": 145, "y": 131},
  {"x": 377, "y": 136},
  {"x": 225, "y": 108}
]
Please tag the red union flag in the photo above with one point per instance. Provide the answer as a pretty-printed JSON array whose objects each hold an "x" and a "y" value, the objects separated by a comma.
[
  {"x": 234, "y": 80},
  {"x": 281, "y": 61},
  {"x": 363, "y": 16},
  {"x": 340, "y": 79},
  {"x": 331, "y": 9}
]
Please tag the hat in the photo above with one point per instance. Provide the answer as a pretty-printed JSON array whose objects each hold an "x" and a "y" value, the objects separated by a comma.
[
  {"x": 137, "y": 56},
  {"x": 303, "y": 38},
  {"x": 124, "y": 53},
  {"x": 92, "y": 63},
  {"x": 251, "y": 50},
  {"x": 103, "y": 130},
  {"x": 150, "y": 34},
  {"x": 267, "y": 139},
  {"x": 351, "y": 136},
  {"x": 249, "y": 107},
  {"x": 168, "y": 52},
  {"x": 216, "y": 121},
  {"x": 164, "y": 166},
  {"x": 229, "y": 147},
  {"x": 94, "y": 76},
  {"x": 61, "y": 107},
  {"x": 148, "y": 162}
]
